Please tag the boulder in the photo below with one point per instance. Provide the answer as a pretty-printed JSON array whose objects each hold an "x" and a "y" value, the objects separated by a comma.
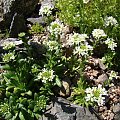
[
  {"x": 13, "y": 14},
  {"x": 38, "y": 20},
  {"x": 62, "y": 109}
]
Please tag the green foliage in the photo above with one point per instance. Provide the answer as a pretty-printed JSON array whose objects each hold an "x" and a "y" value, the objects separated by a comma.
[
  {"x": 78, "y": 94},
  {"x": 87, "y": 16},
  {"x": 21, "y": 96},
  {"x": 36, "y": 29},
  {"x": 28, "y": 78}
]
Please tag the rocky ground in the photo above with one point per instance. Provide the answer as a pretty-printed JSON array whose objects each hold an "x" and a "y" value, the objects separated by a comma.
[{"x": 95, "y": 71}]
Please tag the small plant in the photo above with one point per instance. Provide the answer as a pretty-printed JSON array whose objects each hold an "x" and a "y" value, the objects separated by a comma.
[
  {"x": 78, "y": 94},
  {"x": 87, "y": 14},
  {"x": 96, "y": 95},
  {"x": 46, "y": 9},
  {"x": 36, "y": 29},
  {"x": 26, "y": 85},
  {"x": 55, "y": 28}
]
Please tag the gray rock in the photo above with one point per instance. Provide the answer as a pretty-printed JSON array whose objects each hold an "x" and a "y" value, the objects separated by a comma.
[
  {"x": 116, "y": 110},
  {"x": 20, "y": 6},
  {"x": 15, "y": 40},
  {"x": 63, "y": 110},
  {"x": 101, "y": 79},
  {"x": 14, "y": 13},
  {"x": 101, "y": 65},
  {"x": 64, "y": 90},
  {"x": 17, "y": 25},
  {"x": 39, "y": 20},
  {"x": 1, "y": 19},
  {"x": 46, "y": 2}
]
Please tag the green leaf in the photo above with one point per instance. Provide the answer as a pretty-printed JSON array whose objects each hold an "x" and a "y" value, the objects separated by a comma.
[
  {"x": 8, "y": 116},
  {"x": 58, "y": 82},
  {"x": 15, "y": 117},
  {"x": 6, "y": 67},
  {"x": 21, "y": 116},
  {"x": 37, "y": 116},
  {"x": 29, "y": 93},
  {"x": 22, "y": 34}
]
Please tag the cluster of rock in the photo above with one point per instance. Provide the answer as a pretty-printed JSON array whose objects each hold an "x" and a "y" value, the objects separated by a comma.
[
  {"x": 13, "y": 14},
  {"x": 61, "y": 109}
]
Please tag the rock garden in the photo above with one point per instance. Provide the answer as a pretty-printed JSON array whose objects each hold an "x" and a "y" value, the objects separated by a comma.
[{"x": 59, "y": 60}]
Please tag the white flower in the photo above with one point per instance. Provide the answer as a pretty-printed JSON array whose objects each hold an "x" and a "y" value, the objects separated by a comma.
[
  {"x": 46, "y": 75},
  {"x": 98, "y": 33},
  {"x": 110, "y": 21},
  {"x": 8, "y": 57},
  {"x": 55, "y": 28},
  {"x": 83, "y": 49},
  {"x": 86, "y": 1},
  {"x": 111, "y": 44},
  {"x": 8, "y": 45},
  {"x": 77, "y": 38},
  {"x": 112, "y": 75},
  {"x": 96, "y": 94},
  {"x": 52, "y": 45},
  {"x": 46, "y": 10}
]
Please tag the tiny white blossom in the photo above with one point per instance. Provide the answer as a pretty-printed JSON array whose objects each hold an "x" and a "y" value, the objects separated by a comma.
[
  {"x": 46, "y": 75},
  {"x": 8, "y": 45},
  {"x": 98, "y": 33},
  {"x": 8, "y": 57},
  {"x": 96, "y": 94},
  {"x": 52, "y": 45},
  {"x": 56, "y": 28},
  {"x": 112, "y": 75},
  {"x": 75, "y": 39},
  {"x": 46, "y": 10},
  {"x": 83, "y": 49},
  {"x": 111, "y": 43},
  {"x": 86, "y": 1},
  {"x": 110, "y": 21}
]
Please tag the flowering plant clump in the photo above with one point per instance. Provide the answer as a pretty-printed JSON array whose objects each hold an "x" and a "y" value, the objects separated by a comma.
[
  {"x": 111, "y": 43},
  {"x": 86, "y": 1},
  {"x": 83, "y": 49},
  {"x": 8, "y": 57},
  {"x": 112, "y": 75},
  {"x": 58, "y": 58},
  {"x": 8, "y": 45},
  {"x": 96, "y": 95},
  {"x": 98, "y": 33},
  {"x": 55, "y": 28},
  {"x": 52, "y": 45},
  {"x": 46, "y": 10},
  {"x": 110, "y": 21},
  {"x": 76, "y": 39},
  {"x": 46, "y": 75}
]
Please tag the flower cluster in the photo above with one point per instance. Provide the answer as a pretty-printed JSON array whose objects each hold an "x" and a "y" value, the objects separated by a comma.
[
  {"x": 96, "y": 95},
  {"x": 56, "y": 28},
  {"x": 86, "y": 1},
  {"x": 83, "y": 49},
  {"x": 46, "y": 10},
  {"x": 46, "y": 75},
  {"x": 111, "y": 43},
  {"x": 76, "y": 39},
  {"x": 8, "y": 45},
  {"x": 110, "y": 21},
  {"x": 8, "y": 57},
  {"x": 52, "y": 45},
  {"x": 98, "y": 33},
  {"x": 112, "y": 75}
]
